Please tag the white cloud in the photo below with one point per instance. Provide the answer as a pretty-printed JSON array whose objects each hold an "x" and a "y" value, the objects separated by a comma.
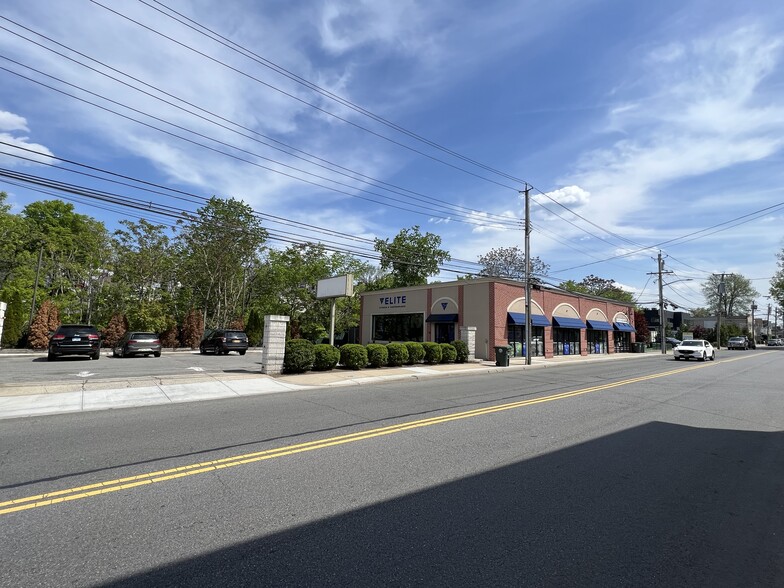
[
  {"x": 17, "y": 146},
  {"x": 12, "y": 122}
]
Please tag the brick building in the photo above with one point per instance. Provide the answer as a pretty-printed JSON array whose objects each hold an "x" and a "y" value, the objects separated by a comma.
[{"x": 563, "y": 323}]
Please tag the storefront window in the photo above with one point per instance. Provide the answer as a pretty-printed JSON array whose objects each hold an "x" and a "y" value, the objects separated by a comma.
[
  {"x": 398, "y": 327},
  {"x": 623, "y": 341},
  {"x": 597, "y": 341},
  {"x": 566, "y": 341},
  {"x": 516, "y": 340}
]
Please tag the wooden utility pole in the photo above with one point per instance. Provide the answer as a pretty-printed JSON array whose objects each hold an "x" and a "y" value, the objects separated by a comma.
[{"x": 527, "y": 275}]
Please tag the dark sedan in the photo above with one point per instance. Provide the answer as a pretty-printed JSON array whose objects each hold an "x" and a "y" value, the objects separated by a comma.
[
  {"x": 222, "y": 341},
  {"x": 137, "y": 343},
  {"x": 74, "y": 340}
]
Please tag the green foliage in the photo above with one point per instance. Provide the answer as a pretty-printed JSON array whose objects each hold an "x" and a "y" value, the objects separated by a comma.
[
  {"x": 46, "y": 320},
  {"x": 397, "y": 354},
  {"x": 148, "y": 316},
  {"x": 411, "y": 256},
  {"x": 255, "y": 328},
  {"x": 461, "y": 351},
  {"x": 299, "y": 356},
  {"x": 448, "y": 353},
  {"x": 326, "y": 357},
  {"x": 13, "y": 328},
  {"x": 377, "y": 355},
  {"x": 433, "y": 352},
  {"x": 595, "y": 286},
  {"x": 738, "y": 295},
  {"x": 354, "y": 356},
  {"x": 416, "y": 353},
  {"x": 509, "y": 262}
]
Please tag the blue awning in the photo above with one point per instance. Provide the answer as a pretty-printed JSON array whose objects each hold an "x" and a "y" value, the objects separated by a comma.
[
  {"x": 518, "y": 318},
  {"x": 441, "y": 318},
  {"x": 568, "y": 323},
  {"x": 599, "y": 326},
  {"x": 624, "y": 327}
]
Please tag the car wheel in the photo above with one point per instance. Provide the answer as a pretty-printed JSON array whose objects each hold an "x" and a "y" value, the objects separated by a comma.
[
  {"x": 50, "y": 357},
  {"x": 157, "y": 354},
  {"x": 96, "y": 355},
  {"x": 704, "y": 356},
  {"x": 713, "y": 356},
  {"x": 241, "y": 352},
  {"x": 202, "y": 351}
]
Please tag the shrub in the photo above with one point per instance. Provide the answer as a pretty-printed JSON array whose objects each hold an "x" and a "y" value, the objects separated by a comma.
[
  {"x": 377, "y": 355},
  {"x": 14, "y": 321},
  {"x": 255, "y": 328},
  {"x": 326, "y": 357},
  {"x": 432, "y": 352},
  {"x": 461, "y": 351},
  {"x": 448, "y": 352},
  {"x": 47, "y": 319},
  {"x": 192, "y": 329},
  {"x": 397, "y": 354},
  {"x": 169, "y": 336},
  {"x": 353, "y": 356},
  {"x": 299, "y": 356},
  {"x": 114, "y": 331},
  {"x": 416, "y": 353}
]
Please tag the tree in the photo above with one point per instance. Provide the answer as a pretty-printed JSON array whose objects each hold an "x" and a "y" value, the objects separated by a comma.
[
  {"x": 12, "y": 242},
  {"x": 509, "y": 262},
  {"x": 411, "y": 256},
  {"x": 192, "y": 329},
  {"x": 117, "y": 327},
  {"x": 596, "y": 286},
  {"x": 13, "y": 327},
  {"x": 643, "y": 331},
  {"x": 777, "y": 283},
  {"x": 46, "y": 320},
  {"x": 255, "y": 327},
  {"x": 219, "y": 248},
  {"x": 738, "y": 295}
]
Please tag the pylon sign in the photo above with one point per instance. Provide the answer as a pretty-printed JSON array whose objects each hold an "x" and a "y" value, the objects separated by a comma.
[{"x": 3, "y": 306}]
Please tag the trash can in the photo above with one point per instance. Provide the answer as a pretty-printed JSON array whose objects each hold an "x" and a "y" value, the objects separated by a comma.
[
  {"x": 502, "y": 356},
  {"x": 639, "y": 347}
]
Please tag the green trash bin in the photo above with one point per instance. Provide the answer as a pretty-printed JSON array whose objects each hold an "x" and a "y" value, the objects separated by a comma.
[
  {"x": 639, "y": 347},
  {"x": 502, "y": 356}
]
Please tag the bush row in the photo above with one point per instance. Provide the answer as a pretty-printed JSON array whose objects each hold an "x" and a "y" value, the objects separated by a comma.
[{"x": 302, "y": 355}]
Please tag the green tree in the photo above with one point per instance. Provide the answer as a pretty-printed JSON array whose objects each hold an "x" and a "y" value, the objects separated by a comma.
[
  {"x": 596, "y": 286},
  {"x": 411, "y": 257},
  {"x": 219, "y": 249},
  {"x": 13, "y": 327},
  {"x": 509, "y": 262},
  {"x": 738, "y": 295},
  {"x": 255, "y": 327},
  {"x": 12, "y": 242},
  {"x": 777, "y": 283}
]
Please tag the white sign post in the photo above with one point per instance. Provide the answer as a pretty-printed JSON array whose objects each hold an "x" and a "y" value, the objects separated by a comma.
[
  {"x": 334, "y": 288},
  {"x": 3, "y": 306}
]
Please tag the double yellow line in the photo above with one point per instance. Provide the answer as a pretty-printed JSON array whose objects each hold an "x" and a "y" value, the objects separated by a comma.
[{"x": 108, "y": 486}]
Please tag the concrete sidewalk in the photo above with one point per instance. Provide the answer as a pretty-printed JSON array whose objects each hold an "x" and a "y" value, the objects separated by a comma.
[{"x": 36, "y": 399}]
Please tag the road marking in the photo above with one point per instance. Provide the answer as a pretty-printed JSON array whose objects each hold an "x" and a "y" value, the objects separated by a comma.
[
  {"x": 196, "y": 369},
  {"x": 83, "y": 374},
  {"x": 98, "y": 488}
]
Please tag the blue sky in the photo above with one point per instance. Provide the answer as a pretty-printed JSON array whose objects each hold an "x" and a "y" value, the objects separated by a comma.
[{"x": 652, "y": 121}]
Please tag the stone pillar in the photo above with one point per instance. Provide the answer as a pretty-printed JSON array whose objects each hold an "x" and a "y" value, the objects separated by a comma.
[
  {"x": 274, "y": 344},
  {"x": 468, "y": 334}
]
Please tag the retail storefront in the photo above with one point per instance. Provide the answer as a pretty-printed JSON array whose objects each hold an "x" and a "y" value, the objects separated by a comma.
[{"x": 562, "y": 323}]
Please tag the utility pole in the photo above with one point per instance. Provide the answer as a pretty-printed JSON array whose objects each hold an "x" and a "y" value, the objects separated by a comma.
[
  {"x": 527, "y": 275},
  {"x": 659, "y": 272},
  {"x": 718, "y": 319},
  {"x": 753, "y": 330},
  {"x": 767, "y": 324},
  {"x": 35, "y": 288}
]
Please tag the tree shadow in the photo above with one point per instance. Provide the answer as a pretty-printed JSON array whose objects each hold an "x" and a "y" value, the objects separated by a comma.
[{"x": 657, "y": 504}]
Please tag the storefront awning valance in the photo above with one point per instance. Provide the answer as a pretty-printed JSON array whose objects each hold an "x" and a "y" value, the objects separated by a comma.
[
  {"x": 599, "y": 325},
  {"x": 518, "y": 318},
  {"x": 568, "y": 323},
  {"x": 441, "y": 318},
  {"x": 626, "y": 327}
]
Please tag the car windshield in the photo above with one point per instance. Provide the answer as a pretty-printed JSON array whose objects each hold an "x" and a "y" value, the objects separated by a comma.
[{"x": 692, "y": 344}]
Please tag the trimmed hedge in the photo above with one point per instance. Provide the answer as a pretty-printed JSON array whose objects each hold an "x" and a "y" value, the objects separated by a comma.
[
  {"x": 377, "y": 354},
  {"x": 353, "y": 356},
  {"x": 397, "y": 354},
  {"x": 432, "y": 352},
  {"x": 461, "y": 349},
  {"x": 416, "y": 353},
  {"x": 326, "y": 357},
  {"x": 448, "y": 353},
  {"x": 299, "y": 356}
]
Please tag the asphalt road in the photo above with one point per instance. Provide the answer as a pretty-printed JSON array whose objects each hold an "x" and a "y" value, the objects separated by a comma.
[
  {"x": 34, "y": 367},
  {"x": 636, "y": 472}
]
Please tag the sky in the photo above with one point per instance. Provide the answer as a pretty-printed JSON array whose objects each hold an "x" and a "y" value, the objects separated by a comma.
[{"x": 639, "y": 127}]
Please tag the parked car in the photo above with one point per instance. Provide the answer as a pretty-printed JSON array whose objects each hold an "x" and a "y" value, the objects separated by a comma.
[
  {"x": 774, "y": 342},
  {"x": 222, "y": 341},
  {"x": 74, "y": 340},
  {"x": 695, "y": 348},
  {"x": 737, "y": 343},
  {"x": 672, "y": 341},
  {"x": 137, "y": 343}
]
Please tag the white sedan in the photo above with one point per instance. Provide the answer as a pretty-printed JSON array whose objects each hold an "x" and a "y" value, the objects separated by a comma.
[{"x": 695, "y": 348}]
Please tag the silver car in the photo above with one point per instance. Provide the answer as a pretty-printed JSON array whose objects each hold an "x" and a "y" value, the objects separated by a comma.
[{"x": 695, "y": 349}]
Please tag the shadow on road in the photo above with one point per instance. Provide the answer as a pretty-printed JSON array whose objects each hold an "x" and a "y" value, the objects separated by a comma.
[{"x": 659, "y": 504}]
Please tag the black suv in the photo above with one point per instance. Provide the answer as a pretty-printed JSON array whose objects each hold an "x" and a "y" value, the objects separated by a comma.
[
  {"x": 223, "y": 341},
  {"x": 74, "y": 340}
]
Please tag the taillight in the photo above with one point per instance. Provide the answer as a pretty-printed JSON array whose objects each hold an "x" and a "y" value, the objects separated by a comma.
[
  {"x": 58, "y": 337},
  {"x": 133, "y": 341},
  {"x": 222, "y": 339},
  {"x": 156, "y": 342},
  {"x": 92, "y": 336}
]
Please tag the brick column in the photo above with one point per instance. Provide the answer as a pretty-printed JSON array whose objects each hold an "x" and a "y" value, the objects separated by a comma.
[{"x": 274, "y": 344}]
